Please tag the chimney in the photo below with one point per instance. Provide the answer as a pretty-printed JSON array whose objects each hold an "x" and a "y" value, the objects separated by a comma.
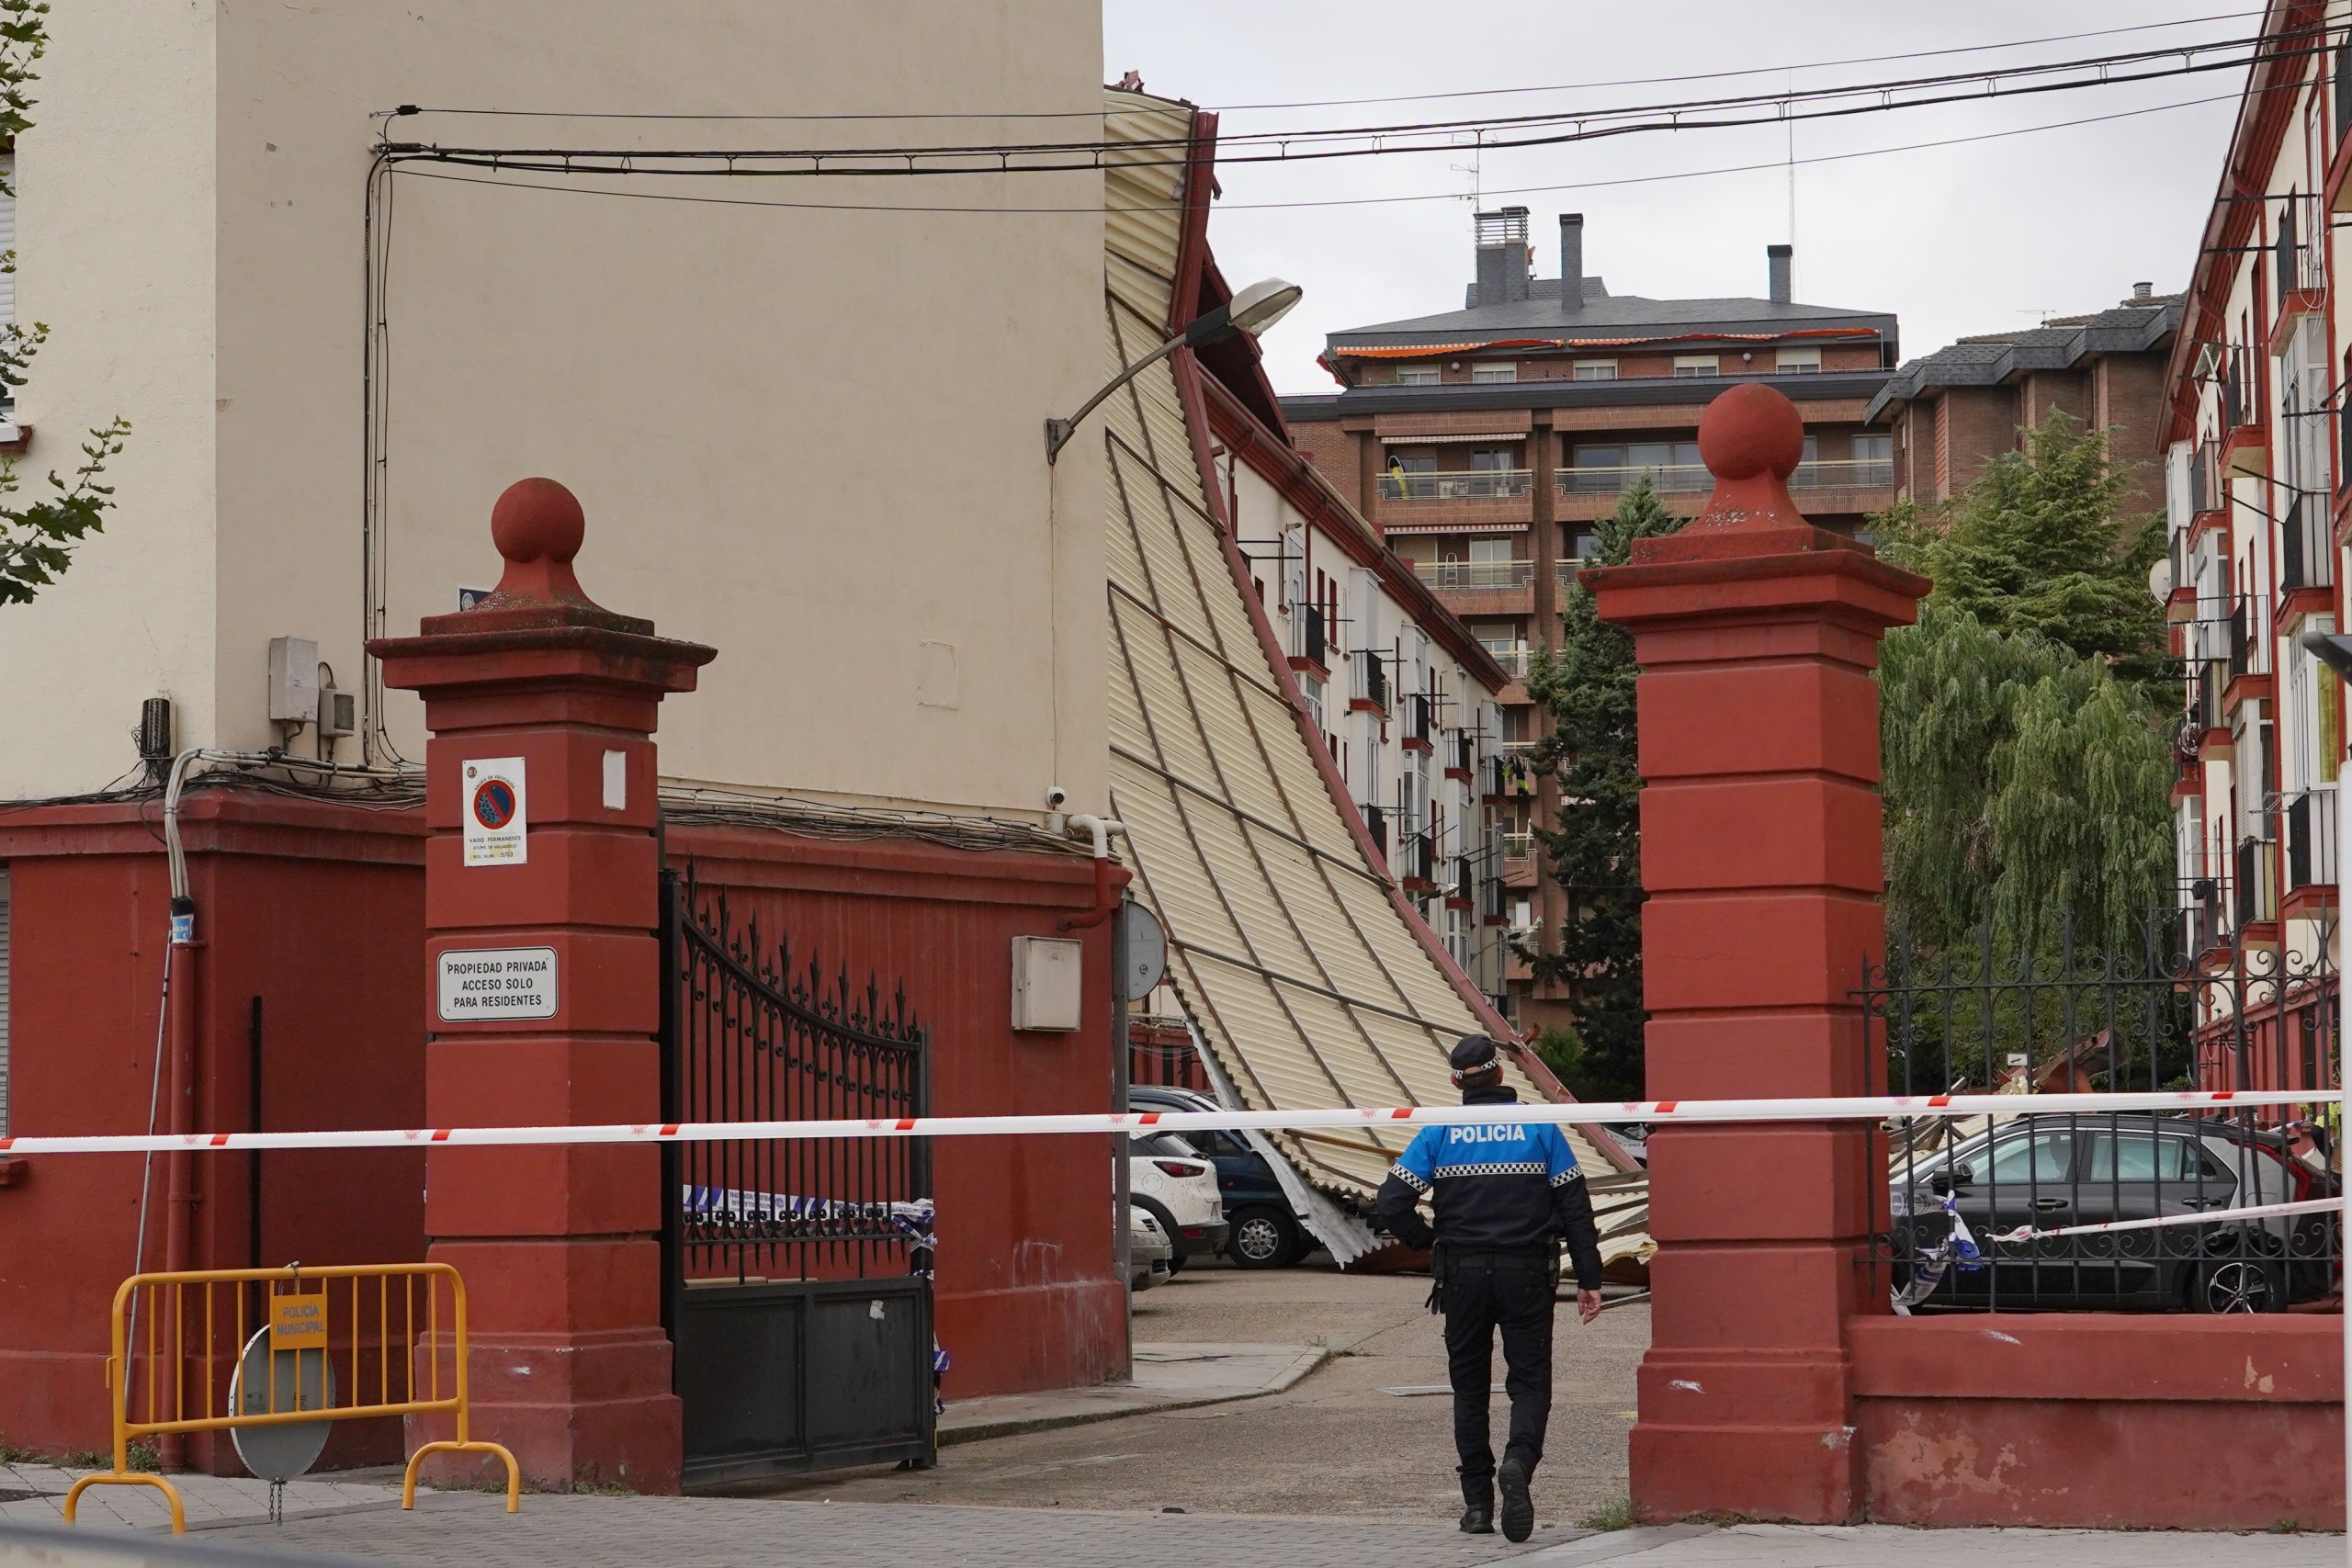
[
  {"x": 1776, "y": 265},
  {"x": 2144, "y": 290},
  {"x": 1571, "y": 262},
  {"x": 1502, "y": 257}
]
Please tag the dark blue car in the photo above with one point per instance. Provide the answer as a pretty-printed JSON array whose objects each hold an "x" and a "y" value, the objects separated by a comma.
[{"x": 1266, "y": 1231}]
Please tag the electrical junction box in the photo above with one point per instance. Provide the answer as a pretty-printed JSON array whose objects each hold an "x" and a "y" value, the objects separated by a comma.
[
  {"x": 293, "y": 680},
  {"x": 338, "y": 712},
  {"x": 1046, "y": 995}
]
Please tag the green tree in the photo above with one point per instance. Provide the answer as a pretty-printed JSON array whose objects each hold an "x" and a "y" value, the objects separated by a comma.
[
  {"x": 2027, "y": 771},
  {"x": 1595, "y": 847},
  {"x": 36, "y": 540},
  {"x": 2040, "y": 543}
]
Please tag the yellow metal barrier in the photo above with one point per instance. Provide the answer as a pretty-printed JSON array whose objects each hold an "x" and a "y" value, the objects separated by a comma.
[{"x": 181, "y": 1318}]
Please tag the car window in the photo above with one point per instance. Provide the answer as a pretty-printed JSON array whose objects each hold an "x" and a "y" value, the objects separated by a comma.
[
  {"x": 2043, "y": 1157},
  {"x": 2140, "y": 1156},
  {"x": 1169, "y": 1144},
  {"x": 1215, "y": 1143}
]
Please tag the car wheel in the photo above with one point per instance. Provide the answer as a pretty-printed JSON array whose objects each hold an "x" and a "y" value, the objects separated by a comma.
[
  {"x": 2236, "y": 1286},
  {"x": 1262, "y": 1238}
]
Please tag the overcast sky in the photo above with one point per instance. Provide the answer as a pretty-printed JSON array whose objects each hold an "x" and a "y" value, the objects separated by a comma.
[{"x": 1955, "y": 239}]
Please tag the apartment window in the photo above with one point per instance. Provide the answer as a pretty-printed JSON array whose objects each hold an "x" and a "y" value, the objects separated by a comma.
[
  {"x": 1697, "y": 364},
  {"x": 1493, "y": 459},
  {"x": 1311, "y": 689},
  {"x": 1417, "y": 375},
  {"x": 1581, "y": 546},
  {"x": 1490, "y": 550},
  {"x": 1504, "y": 372},
  {"x": 1595, "y": 370},
  {"x": 1797, "y": 361}
]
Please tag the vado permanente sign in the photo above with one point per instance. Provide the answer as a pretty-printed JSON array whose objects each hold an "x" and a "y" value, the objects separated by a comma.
[
  {"x": 490, "y": 985},
  {"x": 497, "y": 817}
]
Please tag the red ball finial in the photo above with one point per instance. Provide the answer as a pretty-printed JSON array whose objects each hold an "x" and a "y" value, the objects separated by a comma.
[
  {"x": 538, "y": 520},
  {"x": 1750, "y": 430}
]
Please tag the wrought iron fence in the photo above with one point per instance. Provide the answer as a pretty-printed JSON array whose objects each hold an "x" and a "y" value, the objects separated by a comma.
[
  {"x": 1370, "y": 679},
  {"x": 2307, "y": 556},
  {"x": 1993, "y": 1016},
  {"x": 756, "y": 1033}
]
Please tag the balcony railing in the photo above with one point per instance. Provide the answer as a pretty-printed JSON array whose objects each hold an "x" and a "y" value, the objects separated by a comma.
[
  {"x": 1456, "y": 576},
  {"x": 2249, "y": 638},
  {"x": 1375, "y": 820},
  {"x": 1614, "y": 480},
  {"x": 1463, "y": 755},
  {"x": 1417, "y": 718},
  {"x": 1370, "y": 679},
  {"x": 1682, "y": 478},
  {"x": 1513, "y": 660},
  {"x": 2307, "y": 556},
  {"x": 2201, "y": 489},
  {"x": 1518, "y": 846},
  {"x": 1307, "y": 636},
  {"x": 2297, "y": 262},
  {"x": 1476, "y": 484},
  {"x": 1420, "y": 858},
  {"x": 1848, "y": 473},
  {"x": 1465, "y": 878},
  {"x": 1507, "y": 775},
  {"x": 2310, "y": 838},
  {"x": 2256, "y": 888},
  {"x": 2205, "y": 700},
  {"x": 2233, "y": 391}
]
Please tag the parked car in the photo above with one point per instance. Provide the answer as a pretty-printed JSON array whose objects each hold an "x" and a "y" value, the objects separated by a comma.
[
  {"x": 1266, "y": 1230},
  {"x": 1167, "y": 1177},
  {"x": 1151, "y": 1256},
  {"x": 2050, "y": 1171}
]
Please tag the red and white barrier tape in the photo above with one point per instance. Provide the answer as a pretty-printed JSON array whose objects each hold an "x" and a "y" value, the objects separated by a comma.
[
  {"x": 2206, "y": 1217},
  {"x": 1871, "y": 1108}
]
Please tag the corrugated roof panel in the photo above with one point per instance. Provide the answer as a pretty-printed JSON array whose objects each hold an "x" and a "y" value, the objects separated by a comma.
[{"x": 1305, "y": 982}]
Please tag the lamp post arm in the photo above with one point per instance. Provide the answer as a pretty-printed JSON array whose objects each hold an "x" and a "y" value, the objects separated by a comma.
[{"x": 1059, "y": 431}]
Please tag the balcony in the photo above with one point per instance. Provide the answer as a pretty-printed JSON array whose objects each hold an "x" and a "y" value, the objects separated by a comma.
[
  {"x": 2249, "y": 638},
  {"x": 1477, "y": 484},
  {"x": 1370, "y": 692},
  {"x": 1421, "y": 859},
  {"x": 2307, "y": 553},
  {"x": 1464, "y": 890},
  {"x": 1461, "y": 576},
  {"x": 2298, "y": 264},
  {"x": 2237, "y": 410},
  {"x": 2256, "y": 887},
  {"x": 1461, "y": 755},
  {"x": 2311, "y": 839},
  {"x": 2205, "y": 698},
  {"x": 1307, "y": 647},
  {"x": 1505, "y": 777},
  {"x": 1418, "y": 735},
  {"x": 1685, "y": 478},
  {"x": 1518, "y": 846},
  {"x": 1513, "y": 660},
  {"x": 1375, "y": 821}
]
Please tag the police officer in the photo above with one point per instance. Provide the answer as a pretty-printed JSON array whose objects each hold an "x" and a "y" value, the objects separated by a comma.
[{"x": 1506, "y": 1195}]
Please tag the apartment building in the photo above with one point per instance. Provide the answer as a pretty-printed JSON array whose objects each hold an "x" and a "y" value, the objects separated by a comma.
[
  {"x": 1485, "y": 442},
  {"x": 2255, "y": 435},
  {"x": 1952, "y": 411}
]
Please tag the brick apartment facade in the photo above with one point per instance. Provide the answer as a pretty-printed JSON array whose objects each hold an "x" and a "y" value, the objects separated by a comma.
[
  {"x": 1485, "y": 442},
  {"x": 1952, "y": 410}
]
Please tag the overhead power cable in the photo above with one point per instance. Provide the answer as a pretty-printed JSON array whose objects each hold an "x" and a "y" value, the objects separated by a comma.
[
  {"x": 810, "y": 117},
  {"x": 411, "y": 171},
  {"x": 1499, "y": 133}
]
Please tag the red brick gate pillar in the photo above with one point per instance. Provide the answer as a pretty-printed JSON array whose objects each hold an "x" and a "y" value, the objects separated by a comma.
[
  {"x": 540, "y": 908},
  {"x": 1757, "y": 634}
]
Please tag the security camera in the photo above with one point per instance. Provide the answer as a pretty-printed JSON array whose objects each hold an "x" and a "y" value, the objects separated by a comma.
[
  {"x": 2335, "y": 650},
  {"x": 1055, "y": 797}
]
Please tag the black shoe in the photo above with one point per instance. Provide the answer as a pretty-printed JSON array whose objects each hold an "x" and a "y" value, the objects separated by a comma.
[
  {"x": 1478, "y": 1518},
  {"x": 1518, "y": 1512}
]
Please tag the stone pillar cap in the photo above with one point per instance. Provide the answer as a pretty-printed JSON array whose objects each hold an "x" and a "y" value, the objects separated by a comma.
[{"x": 537, "y": 525}]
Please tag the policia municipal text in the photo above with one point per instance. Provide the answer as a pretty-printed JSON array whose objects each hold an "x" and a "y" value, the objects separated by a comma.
[{"x": 1506, "y": 1196}]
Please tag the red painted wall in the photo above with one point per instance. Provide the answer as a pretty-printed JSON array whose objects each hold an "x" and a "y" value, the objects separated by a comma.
[
  {"x": 1027, "y": 1292},
  {"x": 2102, "y": 1421},
  {"x": 317, "y": 911}
]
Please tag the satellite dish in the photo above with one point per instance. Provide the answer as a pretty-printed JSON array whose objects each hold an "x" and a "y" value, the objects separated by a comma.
[
  {"x": 2160, "y": 582},
  {"x": 280, "y": 1450}
]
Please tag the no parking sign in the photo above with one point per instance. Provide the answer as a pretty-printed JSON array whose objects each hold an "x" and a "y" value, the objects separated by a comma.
[{"x": 496, "y": 816}]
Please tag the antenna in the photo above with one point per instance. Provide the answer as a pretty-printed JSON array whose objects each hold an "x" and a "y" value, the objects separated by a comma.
[{"x": 1477, "y": 157}]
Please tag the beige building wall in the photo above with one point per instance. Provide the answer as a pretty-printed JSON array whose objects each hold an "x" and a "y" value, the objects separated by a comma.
[{"x": 811, "y": 437}]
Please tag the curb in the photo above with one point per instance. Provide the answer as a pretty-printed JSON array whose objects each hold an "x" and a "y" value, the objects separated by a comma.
[{"x": 1312, "y": 1359}]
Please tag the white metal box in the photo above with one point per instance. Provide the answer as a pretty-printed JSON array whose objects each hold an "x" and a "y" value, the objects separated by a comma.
[
  {"x": 293, "y": 680},
  {"x": 1046, "y": 992}
]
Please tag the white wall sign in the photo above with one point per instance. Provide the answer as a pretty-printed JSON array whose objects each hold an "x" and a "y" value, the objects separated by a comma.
[
  {"x": 483, "y": 985},
  {"x": 497, "y": 817}
]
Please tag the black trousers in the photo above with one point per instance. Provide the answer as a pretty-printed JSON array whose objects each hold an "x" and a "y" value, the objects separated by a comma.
[{"x": 1483, "y": 1291}]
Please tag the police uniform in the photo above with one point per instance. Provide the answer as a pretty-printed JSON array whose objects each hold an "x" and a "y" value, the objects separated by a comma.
[{"x": 1505, "y": 1196}]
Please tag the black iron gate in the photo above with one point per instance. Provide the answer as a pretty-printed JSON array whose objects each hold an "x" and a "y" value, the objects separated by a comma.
[{"x": 799, "y": 1302}]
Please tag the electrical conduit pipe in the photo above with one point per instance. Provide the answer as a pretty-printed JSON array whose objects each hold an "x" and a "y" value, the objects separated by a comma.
[{"x": 1102, "y": 828}]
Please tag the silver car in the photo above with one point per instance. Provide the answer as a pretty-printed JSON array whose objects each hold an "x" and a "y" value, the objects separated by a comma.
[{"x": 1151, "y": 1252}]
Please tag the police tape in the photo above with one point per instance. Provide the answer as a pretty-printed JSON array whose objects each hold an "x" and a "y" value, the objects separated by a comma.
[
  {"x": 2202, "y": 1217},
  {"x": 1868, "y": 1108}
]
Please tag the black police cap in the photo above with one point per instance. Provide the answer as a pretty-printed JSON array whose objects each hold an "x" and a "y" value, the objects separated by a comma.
[{"x": 1474, "y": 1052}]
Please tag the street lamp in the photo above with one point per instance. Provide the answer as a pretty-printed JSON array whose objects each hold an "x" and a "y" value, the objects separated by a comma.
[{"x": 1252, "y": 311}]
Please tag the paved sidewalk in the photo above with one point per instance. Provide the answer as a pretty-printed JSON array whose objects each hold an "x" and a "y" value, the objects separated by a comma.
[
  {"x": 35, "y": 1495},
  {"x": 1169, "y": 1375},
  {"x": 356, "y": 1522}
]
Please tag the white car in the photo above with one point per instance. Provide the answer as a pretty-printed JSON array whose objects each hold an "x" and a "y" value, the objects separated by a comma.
[
  {"x": 1151, "y": 1256},
  {"x": 1168, "y": 1179}
]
